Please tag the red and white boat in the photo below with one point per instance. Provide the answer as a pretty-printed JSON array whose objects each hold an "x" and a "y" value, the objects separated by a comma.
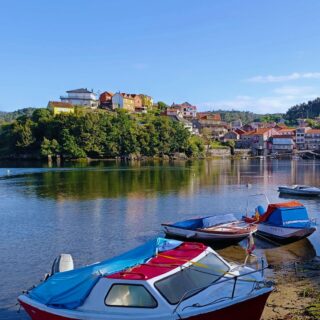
[{"x": 181, "y": 280}]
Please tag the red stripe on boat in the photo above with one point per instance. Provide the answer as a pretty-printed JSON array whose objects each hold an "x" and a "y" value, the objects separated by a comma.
[
  {"x": 162, "y": 263},
  {"x": 37, "y": 314}
]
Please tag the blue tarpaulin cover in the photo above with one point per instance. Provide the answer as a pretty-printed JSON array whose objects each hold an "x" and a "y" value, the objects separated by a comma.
[
  {"x": 294, "y": 217},
  {"x": 205, "y": 222},
  {"x": 71, "y": 288}
]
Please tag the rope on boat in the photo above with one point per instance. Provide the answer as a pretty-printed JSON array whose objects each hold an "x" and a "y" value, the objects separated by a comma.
[{"x": 202, "y": 265}]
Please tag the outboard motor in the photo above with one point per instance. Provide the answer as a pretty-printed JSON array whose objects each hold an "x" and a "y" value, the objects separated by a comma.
[{"x": 62, "y": 263}]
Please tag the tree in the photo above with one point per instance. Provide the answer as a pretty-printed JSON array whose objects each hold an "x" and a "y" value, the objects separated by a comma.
[
  {"x": 70, "y": 147},
  {"x": 22, "y": 130},
  {"x": 49, "y": 147}
]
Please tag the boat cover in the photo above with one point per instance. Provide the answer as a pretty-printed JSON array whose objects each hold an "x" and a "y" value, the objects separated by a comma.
[
  {"x": 70, "y": 289},
  {"x": 206, "y": 222},
  {"x": 288, "y": 214}
]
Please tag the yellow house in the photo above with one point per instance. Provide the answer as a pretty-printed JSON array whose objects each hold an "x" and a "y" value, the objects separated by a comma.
[{"x": 57, "y": 107}]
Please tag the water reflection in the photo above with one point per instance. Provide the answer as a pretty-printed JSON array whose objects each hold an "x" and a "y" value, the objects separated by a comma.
[{"x": 99, "y": 210}]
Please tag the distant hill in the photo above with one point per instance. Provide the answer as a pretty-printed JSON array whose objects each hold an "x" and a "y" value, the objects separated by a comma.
[
  {"x": 309, "y": 110},
  {"x": 247, "y": 116},
  {"x": 10, "y": 116}
]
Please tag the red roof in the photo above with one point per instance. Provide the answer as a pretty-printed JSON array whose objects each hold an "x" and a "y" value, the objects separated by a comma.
[
  {"x": 59, "y": 104},
  {"x": 311, "y": 131},
  {"x": 286, "y": 129},
  {"x": 209, "y": 116},
  {"x": 240, "y": 131},
  {"x": 162, "y": 263},
  {"x": 257, "y": 132},
  {"x": 105, "y": 96}
]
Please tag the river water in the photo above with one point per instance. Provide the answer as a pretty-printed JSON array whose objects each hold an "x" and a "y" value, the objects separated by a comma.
[{"x": 100, "y": 210}]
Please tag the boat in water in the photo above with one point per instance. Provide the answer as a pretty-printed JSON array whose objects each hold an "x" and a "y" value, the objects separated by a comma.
[
  {"x": 283, "y": 222},
  {"x": 300, "y": 190},
  {"x": 221, "y": 229},
  {"x": 161, "y": 280}
]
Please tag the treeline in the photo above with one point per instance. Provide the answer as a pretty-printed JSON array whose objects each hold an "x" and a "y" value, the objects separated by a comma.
[
  {"x": 247, "y": 116},
  {"x": 308, "y": 110},
  {"x": 10, "y": 116},
  {"x": 96, "y": 134}
]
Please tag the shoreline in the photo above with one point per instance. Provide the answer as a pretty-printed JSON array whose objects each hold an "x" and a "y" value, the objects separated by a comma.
[{"x": 297, "y": 292}]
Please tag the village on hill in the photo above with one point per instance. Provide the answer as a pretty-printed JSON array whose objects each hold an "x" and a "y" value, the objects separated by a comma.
[{"x": 261, "y": 138}]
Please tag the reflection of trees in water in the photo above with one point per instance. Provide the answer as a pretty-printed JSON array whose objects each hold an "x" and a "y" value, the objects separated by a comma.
[
  {"x": 92, "y": 184},
  {"x": 139, "y": 179}
]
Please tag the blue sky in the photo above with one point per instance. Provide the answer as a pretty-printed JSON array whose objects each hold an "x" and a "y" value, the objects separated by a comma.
[{"x": 261, "y": 56}]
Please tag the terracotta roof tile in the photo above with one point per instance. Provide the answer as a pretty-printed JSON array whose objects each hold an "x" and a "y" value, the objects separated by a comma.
[{"x": 59, "y": 104}]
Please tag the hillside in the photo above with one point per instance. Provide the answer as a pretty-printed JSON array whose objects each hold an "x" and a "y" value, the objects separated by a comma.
[
  {"x": 309, "y": 110},
  {"x": 247, "y": 116},
  {"x": 9, "y": 116}
]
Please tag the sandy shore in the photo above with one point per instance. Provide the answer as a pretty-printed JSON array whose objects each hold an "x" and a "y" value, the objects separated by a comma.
[
  {"x": 295, "y": 270},
  {"x": 297, "y": 292}
]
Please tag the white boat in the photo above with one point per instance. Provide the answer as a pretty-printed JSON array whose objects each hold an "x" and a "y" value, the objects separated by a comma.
[
  {"x": 221, "y": 229},
  {"x": 161, "y": 280},
  {"x": 283, "y": 222},
  {"x": 301, "y": 190}
]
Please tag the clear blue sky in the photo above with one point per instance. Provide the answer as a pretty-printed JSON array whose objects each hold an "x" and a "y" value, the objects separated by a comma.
[{"x": 261, "y": 56}]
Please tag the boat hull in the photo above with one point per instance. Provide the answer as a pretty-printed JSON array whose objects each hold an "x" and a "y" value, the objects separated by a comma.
[
  {"x": 250, "y": 309},
  {"x": 174, "y": 232},
  {"x": 310, "y": 193},
  {"x": 38, "y": 314},
  {"x": 283, "y": 235}
]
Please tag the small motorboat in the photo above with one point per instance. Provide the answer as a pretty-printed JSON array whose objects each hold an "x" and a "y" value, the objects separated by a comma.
[
  {"x": 300, "y": 190},
  {"x": 283, "y": 222},
  {"x": 161, "y": 280},
  {"x": 218, "y": 229}
]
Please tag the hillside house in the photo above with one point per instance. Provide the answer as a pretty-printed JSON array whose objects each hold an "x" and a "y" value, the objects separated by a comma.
[
  {"x": 300, "y": 137},
  {"x": 188, "y": 111},
  {"x": 236, "y": 124},
  {"x": 57, "y": 107},
  {"x": 281, "y": 144},
  {"x": 81, "y": 97},
  {"x": 257, "y": 140},
  {"x": 312, "y": 139},
  {"x": 123, "y": 101},
  {"x": 231, "y": 136},
  {"x": 105, "y": 100}
]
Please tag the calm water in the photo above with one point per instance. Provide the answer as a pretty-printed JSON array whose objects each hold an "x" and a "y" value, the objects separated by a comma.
[{"x": 97, "y": 211}]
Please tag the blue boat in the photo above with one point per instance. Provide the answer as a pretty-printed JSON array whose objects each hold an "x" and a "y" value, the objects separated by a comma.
[{"x": 283, "y": 222}]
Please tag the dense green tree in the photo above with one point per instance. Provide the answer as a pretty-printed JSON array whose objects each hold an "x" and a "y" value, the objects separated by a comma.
[
  {"x": 49, "y": 147},
  {"x": 311, "y": 109},
  {"x": 96, "y": 134}
]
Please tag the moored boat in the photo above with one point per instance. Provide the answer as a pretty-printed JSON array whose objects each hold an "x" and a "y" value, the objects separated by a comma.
[
  {"x": 216, "y": 229},
  {"x": 161, "y": 280},
  {"x": 283, "y": 222},
  {"x": 301, "y": 190}
]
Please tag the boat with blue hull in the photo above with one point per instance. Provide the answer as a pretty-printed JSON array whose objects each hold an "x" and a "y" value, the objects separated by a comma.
[
  {"x": 283, "y": 222},
  {"x": 221, "y": 229}
]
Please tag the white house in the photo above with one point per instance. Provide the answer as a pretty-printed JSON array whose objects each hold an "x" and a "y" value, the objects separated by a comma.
[{"x": 81, "y": 97}]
